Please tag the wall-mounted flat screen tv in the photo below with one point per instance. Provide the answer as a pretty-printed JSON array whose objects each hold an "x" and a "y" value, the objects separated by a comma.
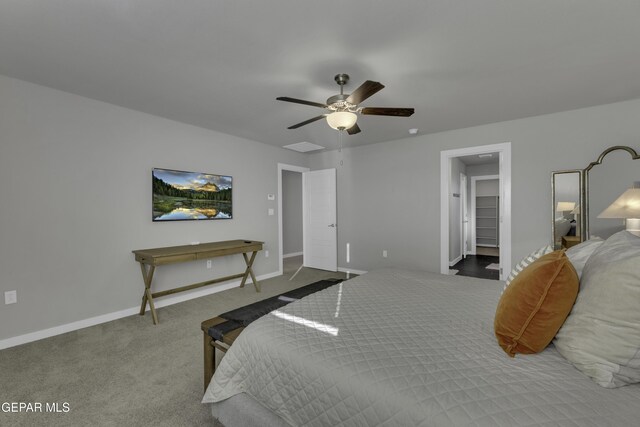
[{"x": 184, "y": 196}]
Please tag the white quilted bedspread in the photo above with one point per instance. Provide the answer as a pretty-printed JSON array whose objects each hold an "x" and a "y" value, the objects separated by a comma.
[{"x": 401, "y": 348}]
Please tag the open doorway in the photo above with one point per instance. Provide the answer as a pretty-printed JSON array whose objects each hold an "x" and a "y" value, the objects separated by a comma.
[
  {"x": 290, "y": 217},
  {"x": 484, "y": 236},
  {"x": 313, "y": 204},
  {"x": 292, "y": 237},
  {"x": 476, "y": 211}
]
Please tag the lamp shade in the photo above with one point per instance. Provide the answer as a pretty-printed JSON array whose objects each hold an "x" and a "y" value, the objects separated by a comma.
[
  {"x": 341, "y": 120},
  {"x": 625, "y": 206},
  {"x": 565, "y": 206}
]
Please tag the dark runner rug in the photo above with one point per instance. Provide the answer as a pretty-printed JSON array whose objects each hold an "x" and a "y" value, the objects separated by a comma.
[{"x": 243, "y": 316}]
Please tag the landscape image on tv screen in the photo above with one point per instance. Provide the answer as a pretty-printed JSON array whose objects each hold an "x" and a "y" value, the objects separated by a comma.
[{"x": 181, "y": 196}]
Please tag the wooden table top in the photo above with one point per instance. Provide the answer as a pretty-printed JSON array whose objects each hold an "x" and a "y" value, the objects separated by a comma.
[{"x": 183, "y": 253}]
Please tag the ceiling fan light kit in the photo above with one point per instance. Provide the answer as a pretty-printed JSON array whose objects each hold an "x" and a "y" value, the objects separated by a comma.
[
  {"x": 344, "y": 109},
  {"x": 342, "y": 120}
]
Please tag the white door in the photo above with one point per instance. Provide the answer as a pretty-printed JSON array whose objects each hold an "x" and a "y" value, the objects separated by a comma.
[
  {"x": 464, "y": 214},
  {"x": 320, "y": 228}
]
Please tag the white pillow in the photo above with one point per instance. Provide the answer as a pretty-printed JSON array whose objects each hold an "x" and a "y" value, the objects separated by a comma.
[
  {"x": 524, "y": 262},
  {"x": 601, "y": 336},
  {"x": 580, "y": 253}
]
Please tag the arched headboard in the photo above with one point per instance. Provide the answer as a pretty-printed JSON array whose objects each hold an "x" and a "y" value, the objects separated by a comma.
[{"x": 603, "y": 183}]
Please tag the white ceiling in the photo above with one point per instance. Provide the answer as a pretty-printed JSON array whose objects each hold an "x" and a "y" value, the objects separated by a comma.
[{"x": 221, "y": 64}]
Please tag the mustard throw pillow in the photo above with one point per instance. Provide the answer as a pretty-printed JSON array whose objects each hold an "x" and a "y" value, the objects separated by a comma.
[{"x": 535, "y": 305}]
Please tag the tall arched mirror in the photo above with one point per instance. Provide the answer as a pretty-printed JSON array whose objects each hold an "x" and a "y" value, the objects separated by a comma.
[
  {"x": 566, "y": 190},
  {"x": 606, "y": 179}
]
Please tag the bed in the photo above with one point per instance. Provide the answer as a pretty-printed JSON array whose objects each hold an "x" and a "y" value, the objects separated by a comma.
[{"x": 402, "y": 348}]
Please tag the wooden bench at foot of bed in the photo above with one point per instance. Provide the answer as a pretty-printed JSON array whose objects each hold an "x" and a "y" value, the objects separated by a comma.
[
  {"x": 221, "y": 331},
  {"x": 210, "y": 345}
]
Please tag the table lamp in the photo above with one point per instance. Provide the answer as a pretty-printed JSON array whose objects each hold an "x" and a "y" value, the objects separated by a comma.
[
  {"x": 627, "y": 206},
  {"x": 565, "y": 207}
]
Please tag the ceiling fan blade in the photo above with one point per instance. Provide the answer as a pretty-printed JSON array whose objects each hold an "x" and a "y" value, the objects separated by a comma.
[
  {"x": 301, "y": 101},
  {"x": 353, "y": 129},
  {"x": 306, "y": 122},
  {"x": 384, "y": 111},
  {"x": 365, "y": 90}
]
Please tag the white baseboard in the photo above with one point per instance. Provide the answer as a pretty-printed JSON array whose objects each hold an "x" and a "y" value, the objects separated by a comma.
[
  {"x": 351, "y": 270},
  {"x": 85, "y": 323},
  {"x": 292, "y": 254},
  {"x": 455, "y": 261}
]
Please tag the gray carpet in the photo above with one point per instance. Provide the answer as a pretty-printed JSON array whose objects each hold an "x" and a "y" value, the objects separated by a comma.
[{"x": 128, "y": 372}]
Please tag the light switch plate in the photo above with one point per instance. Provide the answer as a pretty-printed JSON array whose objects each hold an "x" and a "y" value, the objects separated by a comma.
[
  {"x": 10, "y": 297},
  {"x": 271, "y": 211},
  {"x": 271, "y": 196}
]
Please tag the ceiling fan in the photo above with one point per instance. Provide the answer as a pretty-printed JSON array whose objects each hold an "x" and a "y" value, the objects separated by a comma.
[{"x": 344, "y": 109}]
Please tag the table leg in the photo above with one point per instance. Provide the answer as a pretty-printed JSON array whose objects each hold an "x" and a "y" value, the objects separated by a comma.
[
  {"x": 249, "y": 270},
  {"x": 147, "y": 296}
]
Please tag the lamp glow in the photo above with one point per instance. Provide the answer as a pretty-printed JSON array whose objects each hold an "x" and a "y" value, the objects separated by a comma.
[
  {"x": 341, "y": 120},
  {"x": 626, "y": 206},
  {"x": 565, "y": 206}
]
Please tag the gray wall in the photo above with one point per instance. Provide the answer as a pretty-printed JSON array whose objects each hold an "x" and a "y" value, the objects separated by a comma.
[
  {"x": 481, "y": 170},
  {"x": 388, "y": 192},
  {"x": 291, "y": 212},
  {"x": 76, "y": 199},
  {"x": 489, "y": 187}
]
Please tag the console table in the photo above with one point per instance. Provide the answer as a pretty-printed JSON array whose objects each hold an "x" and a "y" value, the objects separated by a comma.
[{"x": 150, "y": 258}]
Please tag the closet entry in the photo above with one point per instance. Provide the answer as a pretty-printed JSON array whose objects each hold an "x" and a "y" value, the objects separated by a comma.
[
  {"x": 487, "y": 227},
  {"x": 475, "y": 235},
  {"x": 486, "y": 215}
]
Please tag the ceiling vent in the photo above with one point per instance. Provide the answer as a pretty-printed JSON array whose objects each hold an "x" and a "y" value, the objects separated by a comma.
[{"x": 304, "y": 147}]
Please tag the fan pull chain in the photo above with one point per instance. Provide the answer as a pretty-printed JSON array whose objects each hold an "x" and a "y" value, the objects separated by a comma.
[{"x": 340, "y": 146}]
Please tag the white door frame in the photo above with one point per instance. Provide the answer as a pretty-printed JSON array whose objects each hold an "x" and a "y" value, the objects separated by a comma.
[
  {"x": 464, "y": 225},
  {"x": 474, "y": 182},
  {"x": 292, "y": 168},
  {"x": 504, "y": 151}
]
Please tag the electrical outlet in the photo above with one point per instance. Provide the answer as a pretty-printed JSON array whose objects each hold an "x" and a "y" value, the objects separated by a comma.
[
  {"x": 11, "y": 297},
  {"x": 208, "y": 263},
  {"x": 384, "y": 253},
  {"x": 266, "y": 254}
]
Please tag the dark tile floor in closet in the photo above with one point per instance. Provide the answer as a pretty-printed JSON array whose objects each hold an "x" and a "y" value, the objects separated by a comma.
[{"x": 476, "y": 266}]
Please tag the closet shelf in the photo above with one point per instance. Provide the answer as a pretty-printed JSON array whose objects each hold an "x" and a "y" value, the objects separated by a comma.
[{"x": 487, "y": 227}]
